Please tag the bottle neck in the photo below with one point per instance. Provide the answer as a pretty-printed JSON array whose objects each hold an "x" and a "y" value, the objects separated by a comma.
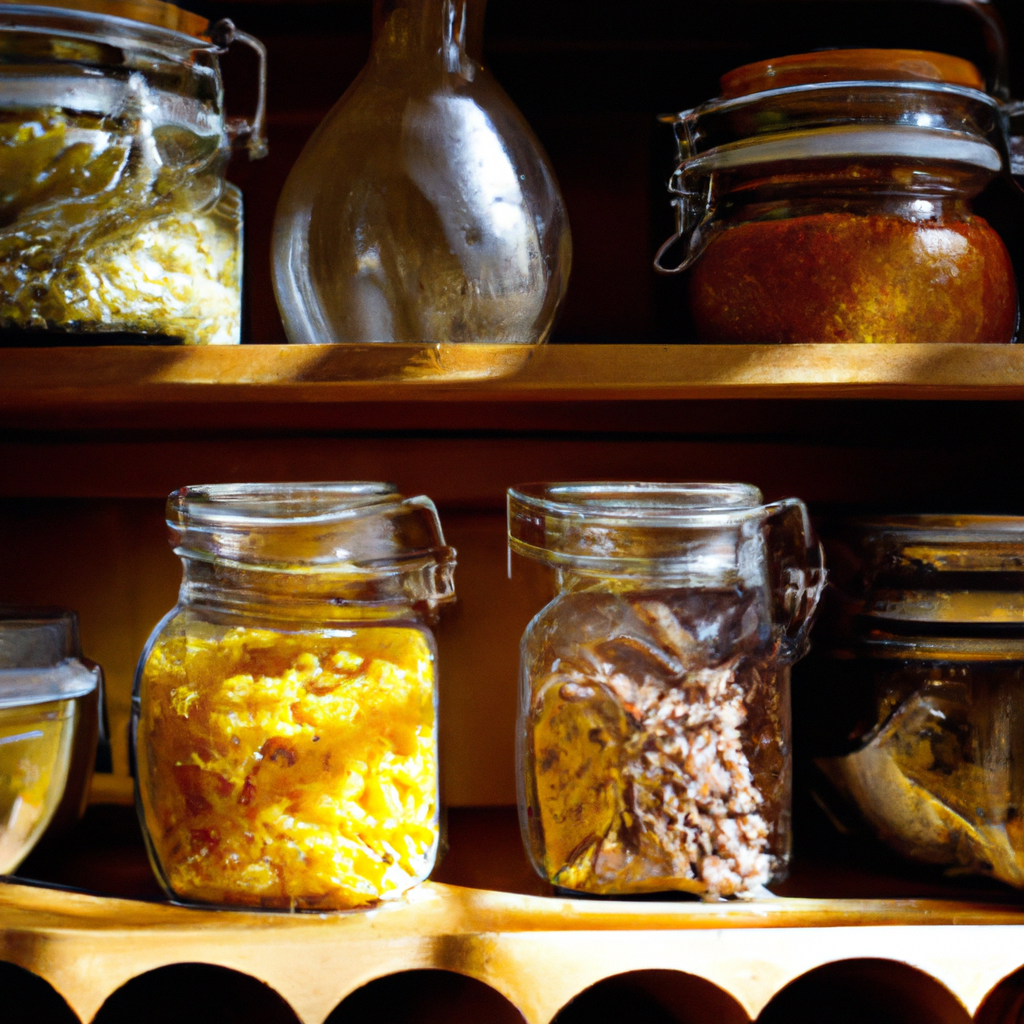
[{"x": 451, "y": 29}]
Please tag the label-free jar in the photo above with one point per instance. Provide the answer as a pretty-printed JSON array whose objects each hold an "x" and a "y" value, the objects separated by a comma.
[
  {"x": 284, "y": 716},
  {"x": 826, "y": 197},
  {"x": 654, "y": 714}
]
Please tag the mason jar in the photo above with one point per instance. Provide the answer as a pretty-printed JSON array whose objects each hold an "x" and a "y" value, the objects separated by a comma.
[
  {"x": 918, "y": 688},
  {"x": 654, "y": 708},
  {"x": 827, "y": 197},
  {"x": 284, "y": 718},
  {"x": 116, "y": 221}
]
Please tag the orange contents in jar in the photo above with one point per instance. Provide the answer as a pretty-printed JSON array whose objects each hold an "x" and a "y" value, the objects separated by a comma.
[{"x": 845, "y": 277}]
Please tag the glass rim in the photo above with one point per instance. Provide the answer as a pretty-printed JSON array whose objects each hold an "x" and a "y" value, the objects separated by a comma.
[
  {"x": 720, "y": 105},
  {"x": 82, "y": 21},
  {"x": 891, "y": 647},
  {"x": 637, "y": 503},
  {"x": 260, "y": 505}
]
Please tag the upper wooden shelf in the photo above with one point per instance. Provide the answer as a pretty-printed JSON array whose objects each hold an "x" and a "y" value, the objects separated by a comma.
[{"x": 37, "y": 379}]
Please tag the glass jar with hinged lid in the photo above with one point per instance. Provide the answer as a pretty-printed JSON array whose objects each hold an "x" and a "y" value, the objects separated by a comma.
[
  {"x": 284, "y": 720},
  {"x": 826, "y": 197},
  {"x": 653, "y": 739},
  {"x": 922, "y": 671},
  {"x": 116, "y": 221}
]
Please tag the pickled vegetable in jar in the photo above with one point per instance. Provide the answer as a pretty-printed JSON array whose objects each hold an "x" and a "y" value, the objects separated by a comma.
[
  {"x": 49, "y": 724},
  {"x": 115, "y": 216},
  {"x": 827, "y": 198},
  {"x": 939, "y": 775},
  {"x": 653, "y": 737},
  {"x": 285, "y": 725},
  {"x": 920, "y": 687}
]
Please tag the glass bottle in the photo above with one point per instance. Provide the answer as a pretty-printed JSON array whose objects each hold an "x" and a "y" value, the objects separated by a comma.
[
  {"x": 423, "y": 209},
  {"x": 654, "y": 714},
  {"x": 284, "y": 722}
]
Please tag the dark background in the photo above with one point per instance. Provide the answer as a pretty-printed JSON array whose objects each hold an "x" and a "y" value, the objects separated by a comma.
[{"x": 590, "y": 78}]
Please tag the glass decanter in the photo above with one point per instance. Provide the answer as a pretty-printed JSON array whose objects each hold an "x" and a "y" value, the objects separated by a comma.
[{"x": 423, "y": 209}]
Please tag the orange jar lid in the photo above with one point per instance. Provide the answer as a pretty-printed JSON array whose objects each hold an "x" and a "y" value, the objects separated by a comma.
[
  {"x": 851, "y": 66},
  {"x": 148, "y": 12}
]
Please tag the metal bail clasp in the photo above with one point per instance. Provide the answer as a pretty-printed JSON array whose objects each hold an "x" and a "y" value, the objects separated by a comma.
[{"x": 242, "y": 132}]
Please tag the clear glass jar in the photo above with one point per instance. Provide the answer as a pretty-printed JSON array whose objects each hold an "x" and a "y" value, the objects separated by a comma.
[
  {"x": 654, "y": 714},
  {"x": 827, "y": 198},
  {"x": 921, "y": 678},
  {"x": 284, "y": 721},
  {"x": 51, "y": 719},
  {"x": 423, "y": 209},
  {"x": 116, "y": 221}
]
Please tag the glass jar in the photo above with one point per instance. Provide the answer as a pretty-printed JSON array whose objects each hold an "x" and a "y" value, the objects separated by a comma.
[
  {"x": 923, "y": 676},
  {"x": 827, "y": 198},
  {"x": 116, "y": 222},
  {"x": 51, "y": 718},
  {"x": 284, "y": 721},
  {"x": 654, "y": 714},
  {"x": 423, "y": 210}
]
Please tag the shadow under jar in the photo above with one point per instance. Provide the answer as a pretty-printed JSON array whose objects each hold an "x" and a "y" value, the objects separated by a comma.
[
  {"x": 826, "y": 197},
  {"x": 284, "y": 721},
  {"x": 922, "y": 668},
  {"x": 654, "y": 715}
]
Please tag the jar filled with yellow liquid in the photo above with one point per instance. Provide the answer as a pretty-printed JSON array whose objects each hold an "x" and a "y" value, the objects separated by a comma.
[
  {"x": 49, "y": 721},
  {"x": 284, "y": 720}
]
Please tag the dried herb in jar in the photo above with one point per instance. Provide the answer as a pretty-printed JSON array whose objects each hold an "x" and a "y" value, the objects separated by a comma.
[{"x": 658, "y": 758}]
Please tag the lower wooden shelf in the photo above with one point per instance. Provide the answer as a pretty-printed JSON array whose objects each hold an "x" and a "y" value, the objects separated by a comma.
[{"x": 498, "y": 954}]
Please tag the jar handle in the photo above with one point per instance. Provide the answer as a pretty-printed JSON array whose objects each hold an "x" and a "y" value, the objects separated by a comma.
[
  {"x": 796, "y": 572},
  {"x": 692, "y": 206},
  {"x": 242, "y": 132},
  {"x": 1013, "y": 124}
]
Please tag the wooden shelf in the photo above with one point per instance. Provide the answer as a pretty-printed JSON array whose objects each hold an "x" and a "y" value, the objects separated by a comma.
[
  {"x": 538, "y": 951},
  {"x": 31, "y": 379}
]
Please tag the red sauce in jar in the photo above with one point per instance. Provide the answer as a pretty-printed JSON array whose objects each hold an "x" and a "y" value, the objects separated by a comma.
[{"x": 844, "y": 277}]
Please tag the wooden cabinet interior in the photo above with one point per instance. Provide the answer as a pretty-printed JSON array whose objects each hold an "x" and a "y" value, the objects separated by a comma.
[{"x": 92, "y": 440}]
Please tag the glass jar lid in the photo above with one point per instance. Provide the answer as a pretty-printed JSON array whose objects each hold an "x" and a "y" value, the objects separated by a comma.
[
  {"x": 844, "y": 123},
  {"x": 147, "y": 12},
  {"x": 362, "y": 537},
  {"x": 142, "y": 62},
  {"x": 695, "y": 532},
  {"x": 862, "y": 65},
  {"x": 939, "y": 570},
  {"x": 39, "y": 658},
  {"x": 846, "y": 105}
]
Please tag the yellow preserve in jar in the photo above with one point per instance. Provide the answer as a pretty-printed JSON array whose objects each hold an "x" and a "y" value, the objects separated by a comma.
[
  {"x": 50, "y": 721},
  {"x": 35, "y": 753},
  {"x": 291, "y": 763}
]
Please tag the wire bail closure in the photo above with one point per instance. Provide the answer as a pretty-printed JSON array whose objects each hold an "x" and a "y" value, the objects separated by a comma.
[{"x": 243, "y": 133}]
